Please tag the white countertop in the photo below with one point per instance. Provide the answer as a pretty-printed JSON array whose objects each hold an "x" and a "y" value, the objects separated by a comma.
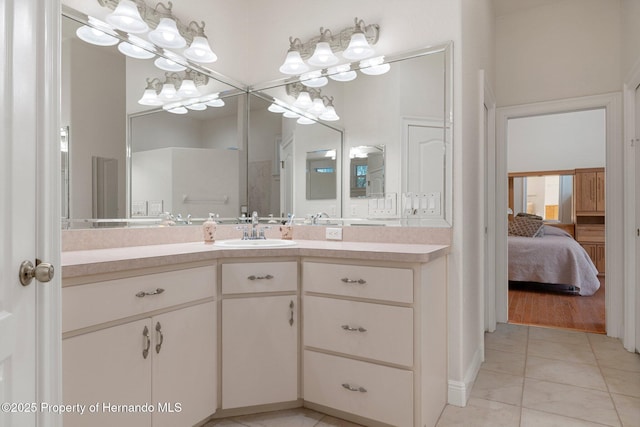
[{"x": 98, "y": 261}]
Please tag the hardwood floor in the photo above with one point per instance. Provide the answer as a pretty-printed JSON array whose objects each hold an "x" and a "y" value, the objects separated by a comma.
[{"x": 536, "y": 305}]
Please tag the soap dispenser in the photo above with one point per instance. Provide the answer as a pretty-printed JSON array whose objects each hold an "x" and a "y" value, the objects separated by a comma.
[{"x": 209, "y": 229}]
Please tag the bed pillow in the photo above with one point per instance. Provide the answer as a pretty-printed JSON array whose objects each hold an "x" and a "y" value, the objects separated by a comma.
[{"x": 526, "y": 227}]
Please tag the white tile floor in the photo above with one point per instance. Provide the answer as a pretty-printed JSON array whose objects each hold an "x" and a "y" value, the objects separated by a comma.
[{"x": 532, "y": 377}]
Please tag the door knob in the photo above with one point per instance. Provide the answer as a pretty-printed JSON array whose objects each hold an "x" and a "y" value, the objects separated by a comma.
[{"x": 43, "y": 272}]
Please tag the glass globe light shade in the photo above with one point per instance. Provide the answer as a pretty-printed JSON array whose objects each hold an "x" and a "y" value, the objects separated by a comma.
[
  {"x": 126, "y": 17},
  {"x": 95, "y": 36},
  {"x": 214, "y": 101},
  {"x": 200, "y": 51},
  {"x": 150, "y": 97},
  {"x": 303, "y": 101},
  {"x": 275, "y": 107},
  {"x": 374, "y": 66},
  {"x": 358, "y": 48},
  {"x": 167, "y": 35},
  {"x": 317, "y": 108},
  {"x": 291, "y": 114},
  {"x": 293, "y": 64},
  {"x": 329, "y": 115},
  {"x": 313, "y": 79},
  {"x": 323, "y": 56},
  {"x": 197, "y": 106},
  {"x": 168, "y": 92},
  {"x": 342, "y": 73},
  {"x": 304, "y": 120},
  {"x": 169, "y": 64},
  {"x": 188, "y": 89},
  {"x": 177, "y": 110},
  {"x": 138, "y": 49}
]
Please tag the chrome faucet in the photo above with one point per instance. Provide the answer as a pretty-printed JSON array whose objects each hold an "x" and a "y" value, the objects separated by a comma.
[
  {"x": 256, "y": 233},
  {"x": 316, "y": 217}
]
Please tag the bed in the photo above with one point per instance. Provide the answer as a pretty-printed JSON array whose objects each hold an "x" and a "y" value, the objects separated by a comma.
[{"x": 552, "y": 258}]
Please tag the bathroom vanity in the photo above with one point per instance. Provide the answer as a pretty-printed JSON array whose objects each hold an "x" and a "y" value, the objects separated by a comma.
[{"x": 356, "y": 330}]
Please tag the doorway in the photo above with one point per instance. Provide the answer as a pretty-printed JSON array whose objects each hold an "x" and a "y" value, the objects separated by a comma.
[{"x": 611, "y": 103}]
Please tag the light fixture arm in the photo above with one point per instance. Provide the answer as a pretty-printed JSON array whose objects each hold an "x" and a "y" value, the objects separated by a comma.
[
  {"x": 153, "y": 15},
  {"x": 176, "y": 79},
  {"x": 337, "y": 42}
]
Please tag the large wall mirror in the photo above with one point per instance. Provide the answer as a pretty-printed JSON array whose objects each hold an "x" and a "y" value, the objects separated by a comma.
[{"x": 131, "y": 163}]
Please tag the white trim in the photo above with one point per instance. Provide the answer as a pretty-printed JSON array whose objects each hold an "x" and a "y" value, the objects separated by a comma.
[
  {"x": 612, "y": 102},
  {"x": 488, "y": 100},
  {"x": 631, "y": 282},
  {"x": 48, "y": 301},
  {"x": 460, "y": 391}
]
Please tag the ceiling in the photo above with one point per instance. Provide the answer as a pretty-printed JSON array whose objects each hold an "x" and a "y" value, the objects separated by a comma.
[{"x": 505, "y": 7}]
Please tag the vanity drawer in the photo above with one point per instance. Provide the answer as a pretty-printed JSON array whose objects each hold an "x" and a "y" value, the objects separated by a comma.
[
  {"x": 386, "y": 394},
  {"x": 374, "y": 331},
  {"x": 241, "y": 278},
  {"x": 382, "y": 283},
  {"x": 99, "y": 302}
]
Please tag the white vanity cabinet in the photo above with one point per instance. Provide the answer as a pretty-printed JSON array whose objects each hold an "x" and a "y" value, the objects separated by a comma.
[
  {"x": 259, "y": 333},
  {"x": 147, "y": 340},
  {"x": 374, "y": 340}
]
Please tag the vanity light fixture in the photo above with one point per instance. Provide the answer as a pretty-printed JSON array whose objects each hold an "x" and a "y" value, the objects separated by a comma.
[
  {"x": 317, "y": 107},
  {"x": 276, "y": 107},
  {"x": 303, "y": 101},
  {"x": 309, "y": 104},
  {"x": 188, "y": 89},
  {"x": 167, "y": 35},
  {"x": 293, "y": 63},
  {"x": 359, "y": 47},
  {"x": 330, "y": 113},
  {"x": 323, "y": 56},
  {"x": 214, "y": 100},
  {"x": 126, "y": 17},
  {"x": 319, "y": 52},
  {"x": 175, "y": 108},
  {"x": 134, "y": 16},
  {"x": 305, "y": 120},
  {"x": 150, "y": 96},
  {"x": 160, "y": 92}
]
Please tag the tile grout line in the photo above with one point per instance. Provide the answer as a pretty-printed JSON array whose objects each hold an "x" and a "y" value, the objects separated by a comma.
[{"x": 606, "y": 383}]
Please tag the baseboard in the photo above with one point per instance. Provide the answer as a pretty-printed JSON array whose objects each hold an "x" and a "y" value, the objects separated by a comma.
[{"x": 459, "y": 391}]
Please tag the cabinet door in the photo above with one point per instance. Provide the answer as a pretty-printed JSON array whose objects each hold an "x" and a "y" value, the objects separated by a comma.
[
  {"x": 107, "y": 367},
  {"x": 600, "y": 264},
  {"x": 586, "y": 190},
  {"x": 592, "y": 252},
  {"x": 600, "y": 199},
  {"x": 184, "y": 387},
  {"x": 259, "y": 350}
]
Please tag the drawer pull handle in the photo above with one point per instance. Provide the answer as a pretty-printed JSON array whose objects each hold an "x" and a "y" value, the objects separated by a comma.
[
  {"x": 354, "y": 388},
  {"x": 358, "y": 281},
  {"x": 159, "y": 331},
  {"x": 267, "y": 277},
  {"x": 146, "y": 341},
  {"x": 291, "y": 313},
  {"x": 143, "y": 294},
  {"x": 351, "y": 328}
]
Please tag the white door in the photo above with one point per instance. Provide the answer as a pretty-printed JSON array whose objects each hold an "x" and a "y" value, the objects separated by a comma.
[
  {"x": 29, "y": 208},
  {"x": 425, "y": 159},
  {"x": 286, "y": 177}
]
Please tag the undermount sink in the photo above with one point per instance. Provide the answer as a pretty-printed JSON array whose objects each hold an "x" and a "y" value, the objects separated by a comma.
[{"x": 258, "y": 243}]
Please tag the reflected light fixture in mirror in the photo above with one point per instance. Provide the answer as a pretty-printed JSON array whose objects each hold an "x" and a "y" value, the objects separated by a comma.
[
  {"x": 167, "y": 35},
  {"x": 138, "y": 49},
  {"x": 97, "y": 33}
]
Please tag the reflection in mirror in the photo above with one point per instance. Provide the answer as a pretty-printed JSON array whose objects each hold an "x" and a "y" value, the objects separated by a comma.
[
  {"x": 187, "y": 164},
  {"x": 412, "y": 98},
  {"x": 366, "y": 170},
  {"x": 548, "y": 196},
  {"x": 321, "y": 175},
  {"x": 95, "y": 108},
  {"x": 64, "y": 163}
]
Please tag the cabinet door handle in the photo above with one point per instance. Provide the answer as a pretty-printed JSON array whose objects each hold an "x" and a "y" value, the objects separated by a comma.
[
  {"x": 358, "y": 281},
  {"x": 267, "y": 277},
  {"x": 143, "y": 294},
  {"x": 160, "y": 337},
  {"x": 146, "y": 342},
  {"x": 354, "y": 388},
  {"x": 291, "y": 313},
  {"x": 353, "y": 329}
]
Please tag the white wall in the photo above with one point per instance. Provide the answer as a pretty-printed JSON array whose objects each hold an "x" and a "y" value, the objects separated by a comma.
[
  {"x": 163, "y": 130},
  {"x": 630, "y": 35},
  {"x": 557, "y": 141},
  {"x": 474, "y": 52},
  {"x": 560, "y": 50}
]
